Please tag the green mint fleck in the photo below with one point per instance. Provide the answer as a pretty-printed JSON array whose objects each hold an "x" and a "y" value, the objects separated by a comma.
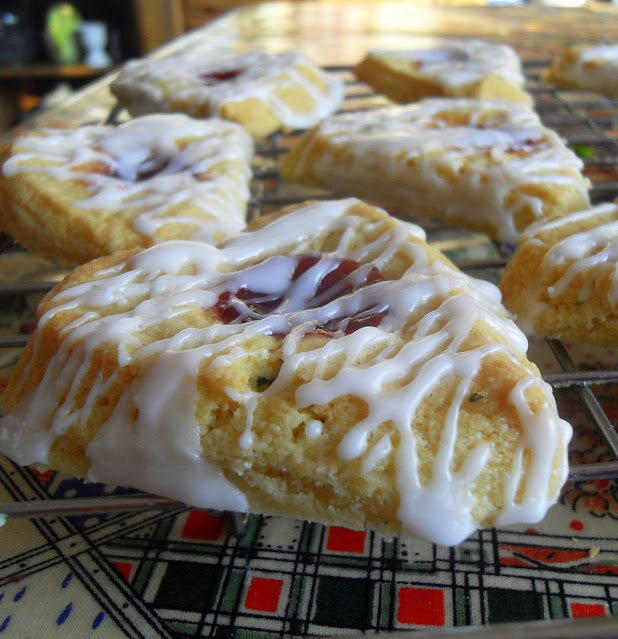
[
  {"x": 479, "y": 395},
  {"x": 584, "y": 151}
]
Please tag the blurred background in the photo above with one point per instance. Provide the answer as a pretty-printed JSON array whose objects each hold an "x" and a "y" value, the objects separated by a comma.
[{"x": 48, "y": 49}]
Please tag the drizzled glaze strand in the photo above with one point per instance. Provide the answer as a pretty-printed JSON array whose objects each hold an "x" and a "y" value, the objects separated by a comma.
[
  {"x": 255, "y": 74},
  {"x": 141, "y": 166},
  {"x": 491, "y": 147},
  {"x": 461, "y": 62},
  {"x": 151, "y": 454},
  {"x": 315, "y": 281},
  {"x": 596, "y": 62},
  {"x": 594, "y": 248}
]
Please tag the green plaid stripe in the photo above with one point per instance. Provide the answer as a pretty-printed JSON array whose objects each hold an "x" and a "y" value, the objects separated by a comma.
[{"x": 310, "y": 589}]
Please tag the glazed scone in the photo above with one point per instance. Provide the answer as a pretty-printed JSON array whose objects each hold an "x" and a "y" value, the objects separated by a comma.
[
  {"x": 486, "y": 165},
  {"x": 325, "y": 364},
  {"x": 562, "y": 281},
  {"x": 71, "y": 195},
  {"x": 458, "y": 68},
  {"x": 264, "y": 92},
  {"x": 590, "y": 67}
]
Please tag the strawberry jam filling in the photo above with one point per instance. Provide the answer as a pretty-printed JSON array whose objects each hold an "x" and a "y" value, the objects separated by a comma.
[
  {"x": 344, "y": 277},
  {"x": 219, "y": 76},
  {"x": 148, "y": 168},
  {"x": 527, "y": 146}
]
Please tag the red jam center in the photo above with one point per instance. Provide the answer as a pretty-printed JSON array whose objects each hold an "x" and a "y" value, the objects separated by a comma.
[
  {"x": 151, "y": 167},
  {"x": 220, "y": 76},
  {"x": 243, "y": 305},
  {"x": 525, "y": 147}
]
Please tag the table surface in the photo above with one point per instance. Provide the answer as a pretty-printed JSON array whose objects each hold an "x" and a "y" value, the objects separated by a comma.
[{"x": 180, "y": 572}]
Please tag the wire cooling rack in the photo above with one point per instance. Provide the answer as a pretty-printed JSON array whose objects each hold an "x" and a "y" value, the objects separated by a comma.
[{"x": 587, "y": 122}]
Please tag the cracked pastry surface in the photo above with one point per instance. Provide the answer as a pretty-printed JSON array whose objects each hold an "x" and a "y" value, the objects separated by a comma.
[
  {"x": 71, "y": 195},
  {"x": 264, "y": 92},
  {"x": 458, "y": 68},
  {"x": 326, "y": 363},
  {"x": 486, "y": 165},
  {"x": 593, "y": 67},
  {"x": 562, "y": 281}
]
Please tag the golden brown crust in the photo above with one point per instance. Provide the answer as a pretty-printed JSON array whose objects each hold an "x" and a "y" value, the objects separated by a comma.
[
  {"x": 264, "y": 92},
  {"x": 39, "y": 212},
  {"x": 398, "y": 85},
  {"x": 411, "y": 158},
  {"x": 579, "y": 67},
  {"x": 583, "y": 311},
  {"x": 46, "y": 202},
  {"x": 402, "y": 82},
  {"x": 284, "y": 470}
]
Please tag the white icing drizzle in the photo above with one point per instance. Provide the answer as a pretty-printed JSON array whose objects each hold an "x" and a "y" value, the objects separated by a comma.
[
  {"x": 595, "y": 249},
  {"x": 594, "y": 67},
  {"x": 532, "y": 506},
  {"x": 605, "y": 52},
  {"x": 313, "y": 429},
  {"x": 378, "y": 144},
  {"x": 162, "y": 84},
  {"x": 160, "y": 449},
  {"x": 380, "y": 451},
  {"x": 151, "y": 145},
  {"x": 459, "y": 62}
]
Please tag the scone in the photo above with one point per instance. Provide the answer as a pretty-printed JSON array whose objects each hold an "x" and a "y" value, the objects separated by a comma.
[
  {"x": 563, "y": 279},
  {"x": 325, "y": 364},
  {"x": 486, "y": 165},
  {"x": 455, "y": 68},
  {"x": 74, "y": 194},
  {"x": 590, "y": 67},
  {"x": 264, "y": 92}
]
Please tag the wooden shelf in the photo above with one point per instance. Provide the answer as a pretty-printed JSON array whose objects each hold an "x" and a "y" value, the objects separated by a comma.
[{"x": 51, "y": 71}]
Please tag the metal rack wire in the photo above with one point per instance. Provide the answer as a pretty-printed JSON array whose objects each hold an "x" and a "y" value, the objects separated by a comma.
[{"x": 587, "y": 122}]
